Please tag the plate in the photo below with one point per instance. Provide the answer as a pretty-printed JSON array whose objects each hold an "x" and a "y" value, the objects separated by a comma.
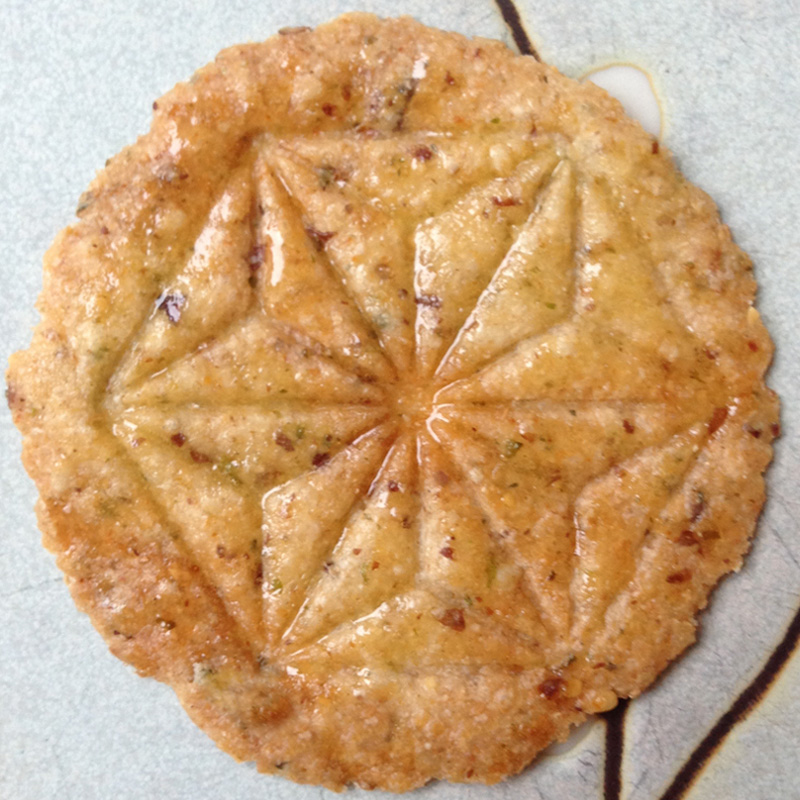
[{"x": 77, "y": 87}]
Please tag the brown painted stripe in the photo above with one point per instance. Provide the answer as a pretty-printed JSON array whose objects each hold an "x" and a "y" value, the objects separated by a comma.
[
  {"x": 512, "y": 18},
  {"x": 741, "y": 708},
  {"x": 615, "y": 744}
]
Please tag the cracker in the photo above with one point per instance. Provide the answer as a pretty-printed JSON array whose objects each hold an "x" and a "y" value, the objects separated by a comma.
[{"x": 397, "y": 402}]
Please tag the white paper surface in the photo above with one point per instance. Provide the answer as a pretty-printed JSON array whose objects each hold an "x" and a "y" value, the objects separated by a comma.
[{"x": 77, "y": 79}]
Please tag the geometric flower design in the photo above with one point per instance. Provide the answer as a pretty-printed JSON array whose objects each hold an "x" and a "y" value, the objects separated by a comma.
[{"x": 389, "y": 399}]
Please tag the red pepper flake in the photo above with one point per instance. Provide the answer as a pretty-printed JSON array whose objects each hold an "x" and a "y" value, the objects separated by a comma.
[
  {"x": 406, "y": 522},
  {"x": 698, "y": 507},
  {"x": 775, "y": 429},
  {"x": 754, "y": 432},
  {"x": 681, "y": 576},
  {"x": 393, "y": 486},
  {"x": 356, "y": 551},
  {"x": 376, "y": 564},
  {"x": 753, "y": 346},
  {"x": 172, "y": 304},
  {"x": 447, "y": 552},
  {"x": 104, "y": 230},
  {"x": 688, "y": 538},
  {"x": 258, "y": 578},
  {"x": 282, "y": 440},
  {"x": 178, "y": 439},
  {"x": 199, "y": 458},
  {"x": 629, "y": 428},
  {"x": 551, "y": 687},
  {"x": 442, "y": 478},
  {"x": 256, "y": 257},
  {"x": 367, "y": 132},
  {"x": 423, "y": 153},
  {"x": 505, "y": 202},
  {"x": 655, "y": 148},
  {"x": 532, "y": 131},
  {"x": 449, "y": 79},
  {"x": 155, "y": 105},
  {"x": 453, "y": 618},
  {"x": 328, "y": 109},
  {"x": 711, "y": 354},
  {"x": 717, "y": 419},
  {"x": 430, "y": 300},
  {"x": 320, "y": 238},
  {"x": 346, "y": 92},
  {"x": 320, "y": 459}
]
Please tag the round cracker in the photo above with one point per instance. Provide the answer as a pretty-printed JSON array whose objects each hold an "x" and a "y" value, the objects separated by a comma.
[{"x": 397, "y": 402}]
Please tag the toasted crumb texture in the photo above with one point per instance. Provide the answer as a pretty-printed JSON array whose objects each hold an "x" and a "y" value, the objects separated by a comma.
[{"x": 397, "y": 402}]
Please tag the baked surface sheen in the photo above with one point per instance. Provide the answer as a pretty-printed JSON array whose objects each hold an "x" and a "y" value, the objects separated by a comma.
[{"x": 397, "y": 402}]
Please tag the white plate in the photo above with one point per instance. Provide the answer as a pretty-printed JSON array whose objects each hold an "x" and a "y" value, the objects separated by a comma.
[{"x": 76, "y": 83}]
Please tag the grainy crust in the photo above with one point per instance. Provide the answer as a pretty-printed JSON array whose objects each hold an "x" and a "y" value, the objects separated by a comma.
[{"x": 133, "y": 572}]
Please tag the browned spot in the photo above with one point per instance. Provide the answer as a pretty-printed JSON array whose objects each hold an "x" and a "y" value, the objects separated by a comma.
[
  {"x": 504, "y": 202},
  {"x": 270, "y": 710},
  {"x": 319, "y": 238},
  {"x": 320, "y": 459},
  {"x": 655, "y": 148},
  {"x": 447, "y": 552},
  {"x": 282, "y": 440},
  {"x": 328, "y": 109},
  {"x": 753, "y": 346},
  {"x": 688, "y": 538},
  {"x": 178, "y": 439},
  {"x": 393, "y": 486},
  {"x": 442, "y": 478},
  {"x": 698, "y": 507},
  {"x": 718, "y": 417},
  {"x": 423, "y": 153},
  {"x": 453, "y": 618},
  {"x": 551, "y": 687},
  {"x": 198, "y": 457},
  {"x": 256, "y": 257},
  {"x": 430, "y": 300},
  {"x": 629, "y": 427},
  {"x": 681, "y": 576}
]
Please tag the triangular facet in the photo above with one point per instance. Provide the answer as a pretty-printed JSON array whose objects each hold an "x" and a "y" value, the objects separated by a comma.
[
  {"x": 376, "y": 556},
  {"x": 305, "y": 518},
  {"x": 254, "y": 447},
  {"x": 210, "y": 291},
  {"x": 417, "y": 631},
  {"x": 298, "y": 288},
  {"x": 219, "y": 520},
  {"x": 365, "y": 246},
  {"x": 531, "y": 291},
  {"x": 458, "y": 252},
  {"x": 255, "y": 362},
  {"x": 611, "y": 527}
]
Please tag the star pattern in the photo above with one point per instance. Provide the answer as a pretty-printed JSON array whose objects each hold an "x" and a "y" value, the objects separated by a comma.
[{"x": 403, "y": 391}]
